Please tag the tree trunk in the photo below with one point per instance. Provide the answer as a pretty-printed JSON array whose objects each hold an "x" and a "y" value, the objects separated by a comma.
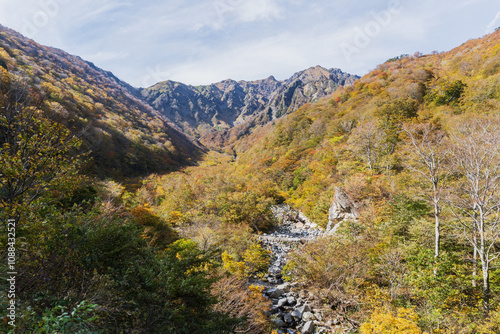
[
  {"x": 474, "y": 256},
  {"x": 437, "y": 239},
  {"x": 486, "y": 287}
]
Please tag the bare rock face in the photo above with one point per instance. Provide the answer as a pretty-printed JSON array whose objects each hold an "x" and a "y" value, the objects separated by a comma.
[
  {"x": 342, "y": 208},
  {"x": 218, "y": 112}
]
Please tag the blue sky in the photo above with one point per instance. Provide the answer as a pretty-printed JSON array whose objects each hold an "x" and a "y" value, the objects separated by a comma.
[{"x": 205, "y": 41}]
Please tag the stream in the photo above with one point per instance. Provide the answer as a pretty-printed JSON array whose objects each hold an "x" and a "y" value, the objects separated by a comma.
[{"x": 292, "y": 309}]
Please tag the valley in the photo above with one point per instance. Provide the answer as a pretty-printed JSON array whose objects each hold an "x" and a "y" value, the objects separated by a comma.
[{"x": 323, "y": 203}]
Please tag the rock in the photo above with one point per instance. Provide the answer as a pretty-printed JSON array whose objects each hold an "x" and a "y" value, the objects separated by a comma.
[
  {"x": 296, "y": 314},
  {"x": 274, "y": 293},
  {"x": 299, "y": 311},
  {"x": 277, "y": 322},
  {"x": 290, "y": 300},
  {"x": 282, "y": 302},
  {"x": 308, "y": 316},
  {"x": 275, "y": 309},
  {"x": 342, "y": 208},
  {"x": 299, "y": 225},
  {"x": 274, "y": 270},
  {"x": 308, "y": 328},
  {"x": 288, "y": 318},
  {"x": 285, "y": 287}
]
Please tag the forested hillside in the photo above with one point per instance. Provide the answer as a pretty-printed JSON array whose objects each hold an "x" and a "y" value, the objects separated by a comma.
[
  {"x": 415, "y": 145},
  {"x": 126, "y": 136},
  {"x": 401, "y": 170}
]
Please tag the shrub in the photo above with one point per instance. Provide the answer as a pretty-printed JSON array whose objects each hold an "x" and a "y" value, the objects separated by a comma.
[{"x": 385, "y": 322}]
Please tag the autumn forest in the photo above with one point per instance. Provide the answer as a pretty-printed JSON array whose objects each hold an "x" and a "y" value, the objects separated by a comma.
[{"x": 130, "y": 217}]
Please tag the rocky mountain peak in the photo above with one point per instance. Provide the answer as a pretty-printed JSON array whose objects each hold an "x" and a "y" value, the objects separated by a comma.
[{"x": 204, "y": 111}]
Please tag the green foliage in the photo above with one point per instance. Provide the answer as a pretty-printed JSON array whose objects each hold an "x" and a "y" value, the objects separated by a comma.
[
  {"x": 78, "y": 321},
  {"x": 448, "y": 93},
  {"x": 403, "y": 56},
  {"x": 36, "y": 154},
  {"x": 103, "y": 253},
  {"x": 403, "y": 213},
  {"x": 255, "y": 261}
]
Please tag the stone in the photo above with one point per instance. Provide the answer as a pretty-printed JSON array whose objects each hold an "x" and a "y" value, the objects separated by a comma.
[
  {"x": 308, "y": 328},
  {"x": 277, "y": 322},
  {"x": 285, "y": 287},
  {"x": 274, "y": 293},
  {"x": 290, "y": 300},
  {"x": 296, "y": 314},
  {"x": 308, "y": 316},
  {"x": 274, "y": 309},
  {"x": 282, "y": 302},
  {"x": 342, "y": 208},
  {"x": 299, "y": 311},
  {"x": 288, "y": 318}
]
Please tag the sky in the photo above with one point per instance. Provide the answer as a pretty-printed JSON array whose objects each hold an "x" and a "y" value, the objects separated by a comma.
[{"x": 205, "y": 41}]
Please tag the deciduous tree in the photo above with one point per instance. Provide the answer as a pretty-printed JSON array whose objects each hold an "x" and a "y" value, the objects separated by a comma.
[
  {"x": 425, "y": 142},
  {"x": 476, "y": 200},
  {"x": 35, "y": 152}
]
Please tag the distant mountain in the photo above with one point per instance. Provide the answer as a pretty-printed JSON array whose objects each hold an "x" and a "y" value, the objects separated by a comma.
[
  {"x": 126, "y": 135},
  {"x": 212, "y": 110}
]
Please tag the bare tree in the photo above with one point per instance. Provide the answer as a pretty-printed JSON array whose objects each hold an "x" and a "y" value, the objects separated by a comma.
[
  {"x": 476, "y": 200},
  {"x": 426, "y": 143},
  {"x": 366, "y": 140},
  {"x": 392, "y": 267}
]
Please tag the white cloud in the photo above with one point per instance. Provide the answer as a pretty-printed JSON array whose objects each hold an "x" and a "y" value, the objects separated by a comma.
[
  {"x": 203, "y": 41},
  {"x": 254, "y": 10},
  {"x": 493, "y": 24}
]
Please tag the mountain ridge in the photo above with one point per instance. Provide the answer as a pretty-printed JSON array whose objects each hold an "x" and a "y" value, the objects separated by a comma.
[
  {"x": 208, "y": 111},
  {"x": 127, "y": 137}
]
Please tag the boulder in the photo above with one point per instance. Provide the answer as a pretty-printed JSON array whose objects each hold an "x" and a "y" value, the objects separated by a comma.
[
  {"x": 285, "y": 287},
  {"x": 299, "y": 311},
  {"x": 342, "y": 208},
  {"x": 308, "y": 328},
  {"x": 274, "y": 293},
  {"x": 282, "y": 302},
  {"x": 277, "y": 322},
  {"x": 308, "y": 316}
]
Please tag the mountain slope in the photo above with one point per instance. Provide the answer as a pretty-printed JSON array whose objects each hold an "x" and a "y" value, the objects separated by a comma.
[
  {"x": 127, "y": 137},
  {"x": 205, "y": 110},
  {"x": 356, "y": 141}
]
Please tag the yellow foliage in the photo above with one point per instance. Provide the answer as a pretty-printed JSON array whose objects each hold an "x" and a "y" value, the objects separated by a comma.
[
  {"x": 175, "y": 217},
  {"x": 492, "y": 325},
  {"x": 234, "y": 267},
  {"x": 384, "y": 322},
  {"x": 255, "y": 259}
]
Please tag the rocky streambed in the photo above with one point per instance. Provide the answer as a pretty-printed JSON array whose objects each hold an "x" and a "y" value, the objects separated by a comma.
[{"x": 292, "y": 308}]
